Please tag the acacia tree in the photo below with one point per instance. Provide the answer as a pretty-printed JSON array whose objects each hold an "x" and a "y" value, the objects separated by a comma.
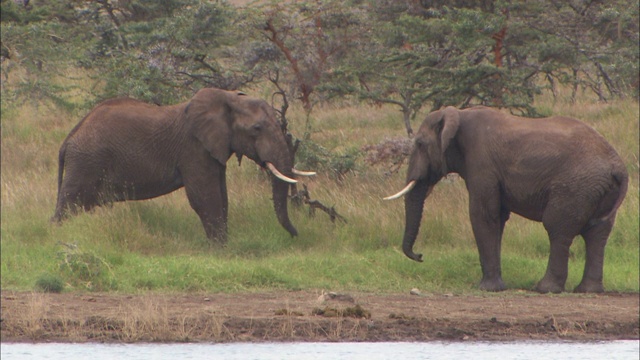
[
  {"x": 38, "y": 43},
  {"x": 409, "y": 53},
  {"x": 154, "y": 51},
  {"x": 593, "y": 44},
  {"x": 163, "y": 51},
  {"x": 297, "y": 46},
  {"x": 437, "y": 56},
  {"x": 495, "y": 53},
  {"x": 309, "y": 38}
]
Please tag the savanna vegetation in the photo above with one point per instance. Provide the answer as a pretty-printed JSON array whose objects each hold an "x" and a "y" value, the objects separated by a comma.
[{"x": 351, "y": 82}]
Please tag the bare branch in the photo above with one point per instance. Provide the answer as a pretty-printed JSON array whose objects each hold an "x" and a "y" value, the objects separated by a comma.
[{"x": 303, "y": 196}]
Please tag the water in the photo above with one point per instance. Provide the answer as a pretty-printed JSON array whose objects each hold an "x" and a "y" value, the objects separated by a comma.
[{"x": 367, "y": 351}]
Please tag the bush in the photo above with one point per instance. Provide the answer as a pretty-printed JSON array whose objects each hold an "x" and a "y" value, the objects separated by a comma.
[
  {"x": 311, "y": 155},
  {"x": 391, "y": 153},
  {"x": 50, "y": 283},
  {"x": 85, "y": 269}
]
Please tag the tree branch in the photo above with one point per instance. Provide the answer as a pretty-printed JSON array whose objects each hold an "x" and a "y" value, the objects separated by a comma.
[{"x": 304, "y": 197}]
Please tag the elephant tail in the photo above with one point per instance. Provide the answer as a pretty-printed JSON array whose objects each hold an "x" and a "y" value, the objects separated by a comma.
[
  {"x": 57, "y": 217},
  {"x": 61, "y": 157},
  {"x": 622, "y": 180},
  {"x": 613, "y": 199}
]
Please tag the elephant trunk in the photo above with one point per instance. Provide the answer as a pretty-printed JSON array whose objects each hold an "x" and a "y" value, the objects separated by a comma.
[
  {"x": 280, "y": 200},
  {"x": 413, "y": 205}
]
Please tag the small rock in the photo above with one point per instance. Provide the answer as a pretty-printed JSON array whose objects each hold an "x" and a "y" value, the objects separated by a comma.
[
  {"x": 415, "y": 291},
  {"x": 207, "y": 299}
]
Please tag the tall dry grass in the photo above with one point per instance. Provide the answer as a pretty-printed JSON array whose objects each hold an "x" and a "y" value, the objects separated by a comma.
[{"x": 160, "y": 245}]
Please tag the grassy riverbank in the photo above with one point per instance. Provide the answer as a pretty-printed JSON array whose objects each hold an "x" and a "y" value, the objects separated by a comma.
[{"x": 159, "y": 245}]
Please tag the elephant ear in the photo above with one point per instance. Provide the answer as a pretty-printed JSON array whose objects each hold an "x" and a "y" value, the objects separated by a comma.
[
  {"x": 449, "y": 125},
  {"x": 208, "y": 118}
]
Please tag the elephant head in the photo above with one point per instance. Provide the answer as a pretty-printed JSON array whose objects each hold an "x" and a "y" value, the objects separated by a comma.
[
  {"x": 428, "y": 163},
  {"x": 228, "y": 122}
]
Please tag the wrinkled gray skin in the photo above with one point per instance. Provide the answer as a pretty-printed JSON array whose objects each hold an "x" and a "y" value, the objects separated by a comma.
[
  {"x": 555, "y": 170},
  {"x": 125, "y": 149}
]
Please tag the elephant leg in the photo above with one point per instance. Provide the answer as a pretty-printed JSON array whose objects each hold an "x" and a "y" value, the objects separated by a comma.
[
  {"x": 595, "y": 238},
  {"x": 487, "y": 220},
  {"x": 75, "y": 196},
  {"x": 561, "y": 232},
  {"x": 225, "y": 199},
  {"x": 562, "y": 224},
  {"x": 557, "y": 268},
  {"x": 206, "y": 190}
]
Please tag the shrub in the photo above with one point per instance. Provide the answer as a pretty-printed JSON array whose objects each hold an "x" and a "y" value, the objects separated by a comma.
[
  {"x": 391, "y": 153},
  {"x": 50, "y": 283},
  {"x": 85, "y": 269}
]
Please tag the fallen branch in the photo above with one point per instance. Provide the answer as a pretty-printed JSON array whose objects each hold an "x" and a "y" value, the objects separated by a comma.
[{"x": 303, "y": 197}]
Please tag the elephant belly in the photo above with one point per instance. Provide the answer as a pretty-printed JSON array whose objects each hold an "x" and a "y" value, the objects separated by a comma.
[
  {"x": 529, "y": 213},
  {"x": 142, "y": 187},
  {"x": 528, "y": 204}
]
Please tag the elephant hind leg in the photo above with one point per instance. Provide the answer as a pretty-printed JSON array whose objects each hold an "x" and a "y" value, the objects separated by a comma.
[
  {"x": 558, "y": 266},
  {"x": 75, "y": 197},
  {"x": 561, "y": 235},
  {"x": 595, "y": 238}
]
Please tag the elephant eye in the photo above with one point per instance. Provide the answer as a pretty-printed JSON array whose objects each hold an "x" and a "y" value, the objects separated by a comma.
[{"x": 256, "y": 128}]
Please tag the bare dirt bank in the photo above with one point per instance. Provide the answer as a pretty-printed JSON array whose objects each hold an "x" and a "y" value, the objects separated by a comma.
[{"x": 310, "y": 316}]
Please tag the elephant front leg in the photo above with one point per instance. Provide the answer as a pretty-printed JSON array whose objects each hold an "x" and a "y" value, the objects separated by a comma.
[
  {"x": 487, "y": 221},
  {"x": 208, "y": 197}
]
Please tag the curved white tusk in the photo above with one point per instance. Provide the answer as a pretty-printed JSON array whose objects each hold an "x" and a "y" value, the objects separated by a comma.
[
  {"x": 279, "y": 175},
  {"x": 402, "y": 192},
  {"x": 303, "y": 173}
]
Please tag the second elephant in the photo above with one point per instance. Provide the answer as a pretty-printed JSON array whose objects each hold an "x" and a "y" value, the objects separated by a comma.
[
  {"x": 555, "y": 170},
  {"x": 125, "y": 149}
]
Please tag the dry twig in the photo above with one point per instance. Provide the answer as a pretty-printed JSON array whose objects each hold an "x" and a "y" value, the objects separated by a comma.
[{"x": 303, "y": 197}]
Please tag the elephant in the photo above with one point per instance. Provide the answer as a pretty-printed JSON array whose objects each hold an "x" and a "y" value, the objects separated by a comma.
[
  {"x": 555, "y": 170},
  {"x": 125, "y": 149}
]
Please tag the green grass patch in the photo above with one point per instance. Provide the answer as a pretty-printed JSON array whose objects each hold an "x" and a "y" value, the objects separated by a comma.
[{"x": 159, "y": 245}]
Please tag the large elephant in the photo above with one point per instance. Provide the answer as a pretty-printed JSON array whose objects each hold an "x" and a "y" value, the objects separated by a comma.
[
  {"x": 125, "y": 149},
  {"x": 556, "y": 170}
]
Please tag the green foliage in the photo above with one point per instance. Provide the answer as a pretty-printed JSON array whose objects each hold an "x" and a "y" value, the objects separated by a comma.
[
  {"x": 164, "y": 52},
  {"x": 311, "y": 155},
  {"x": 85, "y": 269},
  {"x": 412, "y": 55},
  {"x": 50, "y": 283}
]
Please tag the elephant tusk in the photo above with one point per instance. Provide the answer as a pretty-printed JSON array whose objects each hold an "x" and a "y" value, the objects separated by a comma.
[
  {"x": 303, "y": 173},
  {"x": 402, "y": 192},
  {"x": 279, "y": 175}
]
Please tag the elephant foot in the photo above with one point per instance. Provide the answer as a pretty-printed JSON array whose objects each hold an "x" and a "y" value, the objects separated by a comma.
[
  {"x": 589, "y": 287},
  {"x": 546, "y": 286},
  {"x": 56, "y": 219},
  {"x": 218, "y": 240},
  {"x": 492, "y": 285},
  {"x": 217, "y": 244}
]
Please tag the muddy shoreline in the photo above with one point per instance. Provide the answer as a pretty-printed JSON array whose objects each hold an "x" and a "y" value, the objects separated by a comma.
[{"x": 316, "y": 316}]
